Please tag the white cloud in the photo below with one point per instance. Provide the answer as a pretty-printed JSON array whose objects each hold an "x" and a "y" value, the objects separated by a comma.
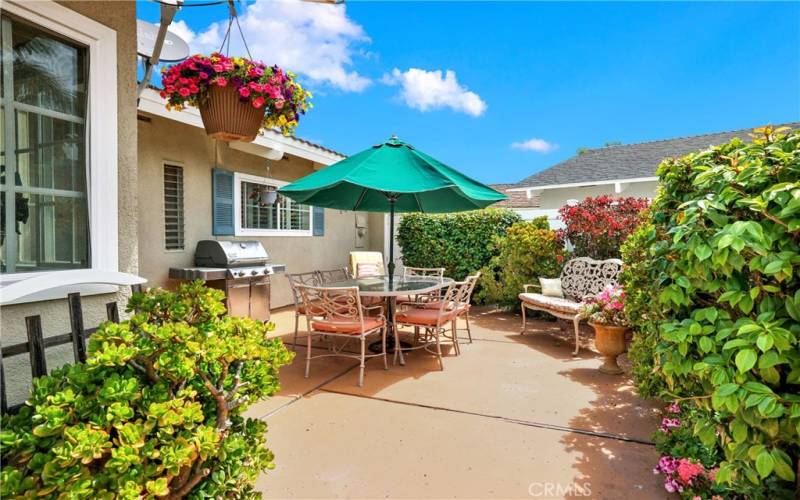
[
  {"x": 428, "y": 90},
  {"x": 313, "y": 39},
  {"x": 538, "y": 145}
]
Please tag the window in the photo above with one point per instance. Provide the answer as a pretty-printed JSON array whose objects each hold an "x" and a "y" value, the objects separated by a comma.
[
  {"x": 284, "y": 217},
  {"x": 173, "y": 207},
  {"x": 44, "y": 221},
  {"x": 58, "y": 144}
]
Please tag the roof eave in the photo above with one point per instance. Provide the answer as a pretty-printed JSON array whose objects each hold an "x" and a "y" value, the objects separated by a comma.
[
  {"x": 153, "y": 104},
  {"x": 631, "y": 180}
]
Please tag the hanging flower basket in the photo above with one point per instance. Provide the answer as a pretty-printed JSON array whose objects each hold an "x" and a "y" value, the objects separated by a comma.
[{"x": 236, "y": 96}]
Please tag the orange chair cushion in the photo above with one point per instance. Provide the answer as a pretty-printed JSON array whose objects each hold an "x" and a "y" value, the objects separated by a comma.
[
  {"x": 346, "y": 326},
  {"x": 423, "y": 317}
]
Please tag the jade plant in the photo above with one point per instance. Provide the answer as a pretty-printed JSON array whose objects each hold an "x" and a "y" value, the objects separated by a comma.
[{"x": 156, "y": 410}]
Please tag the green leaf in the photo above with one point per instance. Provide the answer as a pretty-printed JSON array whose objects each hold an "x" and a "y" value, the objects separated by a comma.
[
  {"x": 764, "y": 342},
  {"x": 774, "y": 267},
  {"x": 726, "y": 389},
  {"x": 706, "y": 344},
  {"x": 703, "y": 251},
  {"x": 764, "y": 464},
  {"x": 746, "y": 359},
  {"x": 783, "y": 467},
  {"x": 738, "y": 430}
]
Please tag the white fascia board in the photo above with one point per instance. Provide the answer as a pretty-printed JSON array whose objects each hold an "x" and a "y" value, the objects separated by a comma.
[
  {"x": 585, "y": 184},
  {"x": 152, "y": 103}
]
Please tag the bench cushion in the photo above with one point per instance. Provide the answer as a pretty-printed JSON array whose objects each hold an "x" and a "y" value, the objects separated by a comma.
[{"x": 558, "y": 304}]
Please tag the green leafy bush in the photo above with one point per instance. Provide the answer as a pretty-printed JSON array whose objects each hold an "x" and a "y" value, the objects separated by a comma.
[
  {"x": 154, "y": 412},
  {"x": 726, "y": 281},
  {"x": 644, "y": 317},
  {"x": 528, "y": 251},
  {"x": 458, "y": 242}
]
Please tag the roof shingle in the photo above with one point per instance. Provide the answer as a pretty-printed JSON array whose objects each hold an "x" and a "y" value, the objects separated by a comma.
[{"x": 628, "y": 161}]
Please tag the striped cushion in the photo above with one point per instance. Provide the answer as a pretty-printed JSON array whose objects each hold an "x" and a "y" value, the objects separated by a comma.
[{"x": 367, "y": 270}]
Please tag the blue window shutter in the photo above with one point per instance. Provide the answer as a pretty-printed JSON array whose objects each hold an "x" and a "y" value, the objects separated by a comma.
[
  {"x": 319, "y": 221},
  {"x": 222, "y": 206}
]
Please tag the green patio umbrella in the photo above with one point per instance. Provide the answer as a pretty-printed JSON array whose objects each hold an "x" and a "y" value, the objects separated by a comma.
[{"x": 392, "y": 177}]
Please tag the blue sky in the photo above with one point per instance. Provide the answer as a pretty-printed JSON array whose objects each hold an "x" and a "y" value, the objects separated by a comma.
[{"x": 530, "y": 82}]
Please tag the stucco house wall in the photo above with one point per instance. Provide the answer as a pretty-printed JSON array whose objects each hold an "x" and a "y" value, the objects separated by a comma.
[
  {"x": 162, "y": 140},
  {"x": 54, "y": 314}
]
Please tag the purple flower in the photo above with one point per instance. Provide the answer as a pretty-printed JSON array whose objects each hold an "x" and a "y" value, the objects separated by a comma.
[
  {"x": 670, "y": 423},
  {"x": 674, "y": 408}
]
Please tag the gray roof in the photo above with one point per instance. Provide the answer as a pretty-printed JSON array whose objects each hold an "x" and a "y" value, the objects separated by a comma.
[{"x": 628, "y": 161}]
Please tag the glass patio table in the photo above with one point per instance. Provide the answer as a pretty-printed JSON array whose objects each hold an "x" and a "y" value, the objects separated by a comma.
[{"x": 382, "y": 286}]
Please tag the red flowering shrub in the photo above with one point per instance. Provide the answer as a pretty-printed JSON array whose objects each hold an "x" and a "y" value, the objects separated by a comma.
[
  {"x": 597, "y": 227},
  {"x": 267, "y": 87}
]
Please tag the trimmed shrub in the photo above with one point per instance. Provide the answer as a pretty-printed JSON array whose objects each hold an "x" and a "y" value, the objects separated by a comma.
[
  {"x": 597, "y": 227},
  {"x": 154, "y": 412},
  {"x": 528, "y": 251},
  {"x": 724, "y": 283},
  {"x": 458, "y": 242}
]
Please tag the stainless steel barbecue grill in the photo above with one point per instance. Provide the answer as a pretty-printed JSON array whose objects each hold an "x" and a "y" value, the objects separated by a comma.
[{"x": 240, "y": 268}]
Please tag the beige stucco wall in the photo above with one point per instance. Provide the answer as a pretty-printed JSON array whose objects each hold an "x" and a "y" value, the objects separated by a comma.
[
  {"x": 55, "y": 318},
  {"x": 162, "y": 140}
]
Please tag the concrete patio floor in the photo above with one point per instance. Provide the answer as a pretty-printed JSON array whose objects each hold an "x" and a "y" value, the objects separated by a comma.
[{"x": 515, "y": 416}]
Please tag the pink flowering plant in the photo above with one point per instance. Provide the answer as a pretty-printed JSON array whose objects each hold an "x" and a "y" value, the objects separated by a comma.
[
  {"x": 259, "y": 85},
  {"x": 607, "y": 307}
]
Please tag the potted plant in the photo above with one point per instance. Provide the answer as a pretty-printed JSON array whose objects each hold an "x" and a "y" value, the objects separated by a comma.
[
  {"x": 606, "y": 314},
  {"x": 236, "y": 96}
]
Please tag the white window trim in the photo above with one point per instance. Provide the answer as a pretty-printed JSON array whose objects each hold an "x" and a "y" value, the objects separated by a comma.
[
  {"x": 101, "y": 116},
  {"x": 238, "y": 178}
]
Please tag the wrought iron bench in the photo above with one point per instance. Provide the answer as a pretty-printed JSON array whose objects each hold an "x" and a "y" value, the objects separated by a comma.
[{"x": 581, "y": 277}]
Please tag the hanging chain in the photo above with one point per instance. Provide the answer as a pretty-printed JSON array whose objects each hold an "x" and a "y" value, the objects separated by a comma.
[{"x": 232, "y": 16}]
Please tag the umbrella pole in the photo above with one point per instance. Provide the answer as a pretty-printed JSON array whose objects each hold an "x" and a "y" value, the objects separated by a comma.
[{"x": 391, "y": 240}]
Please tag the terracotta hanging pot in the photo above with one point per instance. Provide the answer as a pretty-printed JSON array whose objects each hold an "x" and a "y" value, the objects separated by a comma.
[
  {"x": 226, "y": 118},
  {"x": 610, "y": 341}
]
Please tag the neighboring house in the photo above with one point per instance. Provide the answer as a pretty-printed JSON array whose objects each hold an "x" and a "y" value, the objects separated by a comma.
[
  {"x": 85, "y": 185},
  {"x": 624, "y": 170},
  {"x": 518, "y": 201}
]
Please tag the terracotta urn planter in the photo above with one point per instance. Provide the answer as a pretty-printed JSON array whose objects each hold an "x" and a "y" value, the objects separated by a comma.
[
  {"x": 610, "y": 341},
  {"x": 226, "y": 118}
]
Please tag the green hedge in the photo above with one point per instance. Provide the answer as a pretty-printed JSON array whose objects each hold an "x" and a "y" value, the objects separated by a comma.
[
  {"x": 722, "y": 273},
  {"x": 459, "y": 242},
  {"x": 528, "y": 251}
]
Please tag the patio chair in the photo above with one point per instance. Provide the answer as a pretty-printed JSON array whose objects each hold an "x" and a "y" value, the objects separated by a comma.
[
  {"x": 310, "y": 278},
  {"x": 331, "y": 275},
  {"x": 368, "y": 261},
  {"x": 433, "y": 321},
  {"x": 464, "y": 302},
  {"x": 435, "y": 272},
  {"x": 338, "y": 312}
]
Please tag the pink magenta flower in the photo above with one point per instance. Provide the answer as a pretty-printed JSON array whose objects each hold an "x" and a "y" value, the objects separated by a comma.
[
  {"x": 203, "y": 75},
  {"x": 258, "y": 102},
  {"x": 670, "y": 423},
  {"x": 279, "y": 104},
  {"x": 222, "y": 81},
  {"x": 218, "y": 68},
  {"x": 674, "y": 408},
  {"x": 184, "y": 92},
  {"x": 244, "y": 92}
]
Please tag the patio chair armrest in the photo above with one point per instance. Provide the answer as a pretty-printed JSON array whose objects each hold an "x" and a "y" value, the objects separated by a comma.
[
  {"x": 372, "y": 308},
  {"x": 527, "y": 286}
]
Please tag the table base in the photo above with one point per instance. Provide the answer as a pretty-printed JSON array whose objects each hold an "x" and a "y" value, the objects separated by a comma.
[{"x": 376, "y": 346}]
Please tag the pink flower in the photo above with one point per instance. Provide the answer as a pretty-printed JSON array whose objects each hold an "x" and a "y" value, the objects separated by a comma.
[
  {"x": 184, "y": 92},
  {"x": 712, "y": 474},
  {"x": 279, "y": 104},
  {"x": 674, "y": 408},
  {"x": 193, "y": 89},
  {"x": 258, "y": 102},
  {"x": 222, "y": 81},
  {"x": 203, "y": 75},
  {"x": 218, "y": 68},
  {"x": 670, "y": 423},
  {"x": 244, "y": 92},
  {"x": 688, "y": 470}
]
